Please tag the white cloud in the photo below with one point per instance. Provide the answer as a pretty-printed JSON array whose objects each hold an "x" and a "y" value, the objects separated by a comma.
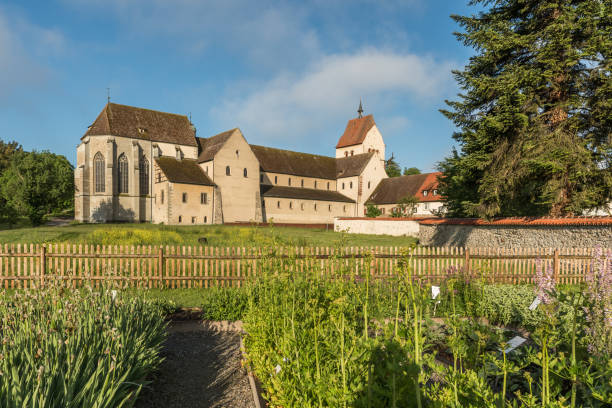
[
  {"x": 264, "y": 33},
  {"x": 287, "y": 104}
]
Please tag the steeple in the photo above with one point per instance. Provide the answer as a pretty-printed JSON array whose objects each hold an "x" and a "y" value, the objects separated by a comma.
[{"x": 360, "y": 110}]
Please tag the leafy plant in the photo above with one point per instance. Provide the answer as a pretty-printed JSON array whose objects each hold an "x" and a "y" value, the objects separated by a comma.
[{"x": 66, "y": 348}]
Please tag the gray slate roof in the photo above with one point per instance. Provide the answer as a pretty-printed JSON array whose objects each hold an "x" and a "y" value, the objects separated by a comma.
[
  {"x": 186, "y": 171},
  {"x": 208, "y": 147},
  {"x": 145, "y": 124},
  {"x": 350, "y": 166},
  {"x": 304, "y": 194}
]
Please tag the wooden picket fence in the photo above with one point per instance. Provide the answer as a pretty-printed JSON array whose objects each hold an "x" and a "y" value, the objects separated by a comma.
[{"x": 29, "y": 265}]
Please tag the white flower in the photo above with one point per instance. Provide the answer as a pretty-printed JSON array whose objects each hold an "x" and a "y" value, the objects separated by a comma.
[{"x": 277, "y": 368}]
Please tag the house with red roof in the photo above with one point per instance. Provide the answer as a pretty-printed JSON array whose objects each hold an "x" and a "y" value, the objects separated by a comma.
[{"x": 390, "y": 193}]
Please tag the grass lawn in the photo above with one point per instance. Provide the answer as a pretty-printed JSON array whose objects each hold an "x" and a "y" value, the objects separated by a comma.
[{"x": 217, "y": 235}]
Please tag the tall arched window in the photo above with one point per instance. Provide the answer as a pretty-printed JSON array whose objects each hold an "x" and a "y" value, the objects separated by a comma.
[
  {"x": 99, "y": 173},
  {"x": 244, "y": 173},
  {"x": 143, "y": 168},
  {"x": 227, "y": 170},
  {"x": 122, "y": 175}
]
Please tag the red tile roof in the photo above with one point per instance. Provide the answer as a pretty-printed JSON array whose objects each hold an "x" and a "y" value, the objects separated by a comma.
[
  {"x": 392, "y": 190},
  {"x": 146, "y": 124},
  {"x": 522, "y": 221},
  {"x": 356, "y": 130}
]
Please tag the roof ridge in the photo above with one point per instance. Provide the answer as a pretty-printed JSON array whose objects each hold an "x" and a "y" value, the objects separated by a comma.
[
  {"x": 292, "y": 151},
  {"x": 147, "y": 109}
]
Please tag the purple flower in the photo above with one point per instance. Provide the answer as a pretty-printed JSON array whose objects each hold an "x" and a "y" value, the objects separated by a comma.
[
  {"x": 545, "y": 282},
  {"x": 598, "y": 310}
]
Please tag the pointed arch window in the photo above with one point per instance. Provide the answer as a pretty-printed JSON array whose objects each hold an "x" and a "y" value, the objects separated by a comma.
[
  {"x": 122, "y": 175},
  {"x": 143, "y": 168},
  {"x": 99, "y": 179}
]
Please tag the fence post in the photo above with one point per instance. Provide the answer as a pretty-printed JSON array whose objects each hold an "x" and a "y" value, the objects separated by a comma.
[
  {"x": 556, "y": 265},
  {"x": 467, "y": 260},
  {"x": 160, "y": 265},
  {"x": 43, "y": 264}
]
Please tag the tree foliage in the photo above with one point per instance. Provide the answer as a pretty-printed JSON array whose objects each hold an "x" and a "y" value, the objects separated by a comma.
[
  {"x": 408, "y": 171},
  {"x": 37, "y": 183},
  {"x": 7, "y": 151},
  {"x": 406, "y": 207},
  {"x": 534, "y": 117},
  {"x": 372, "y": 211},
  {"x": 392, "y": 168}
]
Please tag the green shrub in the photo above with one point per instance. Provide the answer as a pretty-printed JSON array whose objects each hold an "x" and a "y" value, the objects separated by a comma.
[{"x": 224, "y": 303}]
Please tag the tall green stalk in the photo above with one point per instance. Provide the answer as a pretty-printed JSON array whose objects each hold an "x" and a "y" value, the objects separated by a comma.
[
  {"x": 416, "y": 333},
  {"x": 574, "y": 375}
]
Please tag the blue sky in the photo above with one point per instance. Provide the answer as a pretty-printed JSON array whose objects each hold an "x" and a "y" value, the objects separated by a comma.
[{"x": 288, "y": 74}]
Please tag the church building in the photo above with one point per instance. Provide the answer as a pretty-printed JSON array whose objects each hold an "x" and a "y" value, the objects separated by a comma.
[{"x": 140, "y": 165}]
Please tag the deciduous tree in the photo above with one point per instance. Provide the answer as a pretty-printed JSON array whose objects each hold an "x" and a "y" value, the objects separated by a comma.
[
  {"x": 410, "y": 171},
  {"x": 37, "y": 183}
]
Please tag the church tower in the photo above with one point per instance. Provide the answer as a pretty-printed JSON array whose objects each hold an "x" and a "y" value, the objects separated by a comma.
[{"x": 361, "y": 136}]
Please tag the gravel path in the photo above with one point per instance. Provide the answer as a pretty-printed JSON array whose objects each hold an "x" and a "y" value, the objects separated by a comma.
[{"x": 201, "y": 369}]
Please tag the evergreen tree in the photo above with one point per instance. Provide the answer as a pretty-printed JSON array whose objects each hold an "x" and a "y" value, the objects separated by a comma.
[
  {"x": 392, "y": 168},
  {"x": 535, "y": 115}
]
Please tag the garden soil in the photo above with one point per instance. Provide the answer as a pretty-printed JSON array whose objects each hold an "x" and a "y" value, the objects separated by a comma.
[{"x": 201, "y": 369}]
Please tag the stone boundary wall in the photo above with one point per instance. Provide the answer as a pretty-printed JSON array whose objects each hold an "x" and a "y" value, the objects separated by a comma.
[
  {"x": 578, "y": 232},
  {"x": 378, "y": 226},
  {"x": 516, "y": 236}
]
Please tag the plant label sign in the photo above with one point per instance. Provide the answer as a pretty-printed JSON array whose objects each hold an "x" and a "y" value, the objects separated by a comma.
[
  {"x": 514, "y": 343},
  {"x": 435, "y": 291},
  {"x": 535, "y": 303}
]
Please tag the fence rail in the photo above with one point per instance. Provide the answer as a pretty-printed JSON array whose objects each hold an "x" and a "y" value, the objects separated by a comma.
[{"x": 29, "y": 265}]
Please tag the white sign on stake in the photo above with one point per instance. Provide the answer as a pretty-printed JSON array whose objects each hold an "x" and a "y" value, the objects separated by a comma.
[
  {"x": 514, "y": 343},
  {"x": 535, "y": 303},
  {"x": 435, "y": 291}
]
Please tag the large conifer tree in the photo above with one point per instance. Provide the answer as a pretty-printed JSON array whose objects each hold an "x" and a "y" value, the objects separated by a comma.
[{"x": 535, "y": 112}]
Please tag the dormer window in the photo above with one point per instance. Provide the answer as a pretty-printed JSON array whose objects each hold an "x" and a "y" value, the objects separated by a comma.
[
  {"x": 425, "y": 192},
  {"x": 179, "y": 154},
  {"x": 435, "y": 192},
  {"x": 142, "y": 131}
]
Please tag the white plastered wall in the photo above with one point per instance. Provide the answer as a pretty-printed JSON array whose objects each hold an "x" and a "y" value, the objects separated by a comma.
[
  {"x": 280, "y": 179},
  {"x": 299, "y": 211},
  {"x": 239, "y": 194}
]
